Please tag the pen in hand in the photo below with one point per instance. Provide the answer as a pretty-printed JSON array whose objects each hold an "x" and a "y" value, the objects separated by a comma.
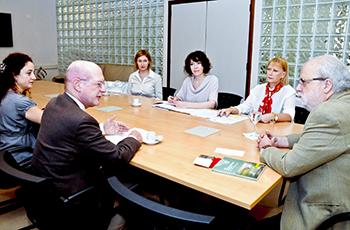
[{"x": 173, "y": 99}]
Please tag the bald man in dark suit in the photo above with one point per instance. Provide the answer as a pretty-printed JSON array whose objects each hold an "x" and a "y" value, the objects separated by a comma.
[{"x": 70, "y": 147}]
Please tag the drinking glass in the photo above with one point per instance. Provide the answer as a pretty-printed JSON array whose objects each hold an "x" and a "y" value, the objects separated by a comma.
[{"x": 255, "y": 117}]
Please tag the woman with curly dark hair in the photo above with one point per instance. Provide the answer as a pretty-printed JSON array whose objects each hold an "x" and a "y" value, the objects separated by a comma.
[
  {"x": 200, "y": 89},
  {"x": 17, "y": 111}
]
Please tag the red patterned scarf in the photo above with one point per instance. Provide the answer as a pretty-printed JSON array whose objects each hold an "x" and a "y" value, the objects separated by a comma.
[{"x": 266, "y": 104}]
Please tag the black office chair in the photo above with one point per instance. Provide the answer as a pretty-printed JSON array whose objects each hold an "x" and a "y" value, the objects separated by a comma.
[
  {"x": 226, "y": 100},
  {"x": 333, "y": 220},
  {"x": 168, "y": 92},
  {"x": 10, "y": 185},
  {"x": 301, "y": 115},
  {"x": 48, "y": 210},
  {"x": 143, "y": 213},
  {"x": 58, "y": 79}
]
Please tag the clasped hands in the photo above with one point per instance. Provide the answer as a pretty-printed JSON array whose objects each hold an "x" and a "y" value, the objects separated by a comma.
[
  {"x": 112, "y": 126},
  {"x": 268, "y": 140}
]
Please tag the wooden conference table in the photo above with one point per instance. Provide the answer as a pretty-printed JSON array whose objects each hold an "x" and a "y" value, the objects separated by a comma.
[{"x": 173, "y": 157}]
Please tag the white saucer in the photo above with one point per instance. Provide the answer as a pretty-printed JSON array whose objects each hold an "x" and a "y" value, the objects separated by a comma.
[
  {"x": 136, "y": 105},
  {"x": 152, "y": 139}
]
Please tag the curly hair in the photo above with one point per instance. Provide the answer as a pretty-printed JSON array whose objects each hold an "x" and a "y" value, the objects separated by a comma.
[
  {"x": 11, "y": 67},
  {"x": 197, "y": 56}
]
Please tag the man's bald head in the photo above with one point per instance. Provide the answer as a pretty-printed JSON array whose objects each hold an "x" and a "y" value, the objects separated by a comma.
[
  {"x": 81, "y": 69},
  {"x": 84, "y": 80}
]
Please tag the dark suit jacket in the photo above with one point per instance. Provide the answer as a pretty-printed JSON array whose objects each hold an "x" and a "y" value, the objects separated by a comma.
[{"x": 70, "y": 147}]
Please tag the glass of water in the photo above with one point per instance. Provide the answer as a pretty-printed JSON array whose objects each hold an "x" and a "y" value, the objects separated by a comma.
[{"x": 255, "y": 117}]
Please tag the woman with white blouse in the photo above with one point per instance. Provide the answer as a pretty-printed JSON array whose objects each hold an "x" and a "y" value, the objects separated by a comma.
[
  {"x": 275, "y": 99},
  {"x": 144, "y": 81}
]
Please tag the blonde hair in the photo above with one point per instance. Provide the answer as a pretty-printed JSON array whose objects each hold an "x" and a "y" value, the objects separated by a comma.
[{"x": 284, "y": 64}]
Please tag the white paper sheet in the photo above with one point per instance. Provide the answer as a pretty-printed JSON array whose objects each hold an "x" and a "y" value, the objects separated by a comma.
[
  {"x": 211, "y": 114},
  {"x": 230, "y": 152},
  {"x": 252, "y": 136},
  {"x": 148, "y": 137},
  {"x": 228, "y": 120}
]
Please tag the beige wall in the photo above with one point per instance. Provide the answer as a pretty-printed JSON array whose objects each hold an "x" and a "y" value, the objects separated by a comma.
[{"x": 34, "y": 31}]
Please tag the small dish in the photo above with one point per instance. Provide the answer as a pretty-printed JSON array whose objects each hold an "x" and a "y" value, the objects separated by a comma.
[
  {"x": 136, "y": 104},
  {"x": 152, "y": 139}
]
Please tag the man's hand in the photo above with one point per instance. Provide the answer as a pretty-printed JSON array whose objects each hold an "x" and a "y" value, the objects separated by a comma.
[
  {"x": 112, "y": 126},
  {"x": 137, "y": 135},
  {"x": 264, "y": 141},
  {"x": 267, "y": 140}
]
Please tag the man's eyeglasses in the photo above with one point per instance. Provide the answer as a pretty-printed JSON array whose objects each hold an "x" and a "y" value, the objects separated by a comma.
[
  {"x": 99, "y": 84},
  {"x": 304, "y": 82}
]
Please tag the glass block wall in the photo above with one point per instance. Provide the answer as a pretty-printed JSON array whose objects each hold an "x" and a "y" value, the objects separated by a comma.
[
  {"x": 300, "y": 29},
  {"x": 109, "y": 31}
]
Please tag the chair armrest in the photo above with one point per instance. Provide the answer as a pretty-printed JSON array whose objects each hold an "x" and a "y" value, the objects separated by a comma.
[
  {"x": 336, "y": 218},
  {"x": 15, "y": 173},
  {"x": 155, "y": 207}
]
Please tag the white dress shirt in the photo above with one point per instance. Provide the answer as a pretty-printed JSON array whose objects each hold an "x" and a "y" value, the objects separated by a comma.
[
  {"x": 150, "y": 86},
  {"x": 283, "y": 101}
]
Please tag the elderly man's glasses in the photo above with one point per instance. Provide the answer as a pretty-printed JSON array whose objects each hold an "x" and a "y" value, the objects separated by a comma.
[{"x": 304, "y": 82}]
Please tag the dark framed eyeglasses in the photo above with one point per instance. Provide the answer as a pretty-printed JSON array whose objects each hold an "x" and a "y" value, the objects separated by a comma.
[{"x": 304, "y": 82}]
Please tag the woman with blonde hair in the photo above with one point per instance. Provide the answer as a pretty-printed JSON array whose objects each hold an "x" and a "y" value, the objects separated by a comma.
[{"x": 275, "y": 99}]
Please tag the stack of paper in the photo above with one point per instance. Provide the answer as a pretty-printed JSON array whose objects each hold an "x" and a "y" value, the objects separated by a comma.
[
  {"x": 211, "y": 114},
  {"x": 148, "y": 137},
  {"x": 228, "y": 120}
]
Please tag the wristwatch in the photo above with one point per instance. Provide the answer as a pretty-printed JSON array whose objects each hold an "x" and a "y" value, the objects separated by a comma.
[{"x": 275, "y": 117}]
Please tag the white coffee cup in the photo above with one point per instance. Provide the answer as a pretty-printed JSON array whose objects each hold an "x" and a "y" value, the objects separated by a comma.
[{"x": 136, "y": 101}]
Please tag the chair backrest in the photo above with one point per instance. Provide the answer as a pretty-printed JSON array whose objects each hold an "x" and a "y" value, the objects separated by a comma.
[
  {"x": 44, "y": 207},
  {"x": 301, "y": 115},
  {"x": 154, "y": 212},
  {"x": 10, "y": 166},
  {"x": 168, "y": 92},
  {"x": 28, "y": 193},
  {"x": 226, "y": 100}
]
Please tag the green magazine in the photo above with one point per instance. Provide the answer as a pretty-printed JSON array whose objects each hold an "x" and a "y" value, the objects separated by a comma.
[{"x": 241, "y": 168}]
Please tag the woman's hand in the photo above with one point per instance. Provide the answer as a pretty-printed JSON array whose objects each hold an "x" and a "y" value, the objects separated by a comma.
[
  {"x": 172, "y": 99},
  {"x": 267, "y": 117},
  {"x": 228, "y": 111},
  {"x": 180, "y": 104}
]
